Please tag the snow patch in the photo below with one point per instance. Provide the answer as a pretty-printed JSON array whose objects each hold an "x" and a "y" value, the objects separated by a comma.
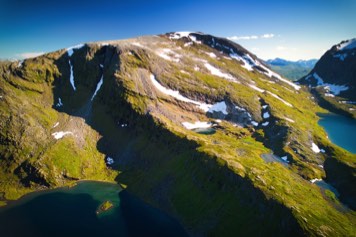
[
  {"x": 240, "y": 108},
  {"x": 315, "y": 180},
  {"x": 289, "y": 120},
  {"x": 61, "y": 134},
  {"x": 101, "y": 65},
  {"x": 246, "y": 64},
  {"x": 19, "y": 64},
  {"x": 215, "y": 71},
  {"x": 70, "y": 50},
  {"x": 334, "y": 89},
  {"x": 197, "y": 124},
  {"x": 59, "y": 104},
  {"x": 347, "y": 102},
  {"x": 211, "y": 54},
  {"x": 181, "y": 34},
  {"x": 329, "y": 95},
  {"x": 98, "y": 86},
  {"x": 250, "y": 63},
  {"x": 109, "y": 160},
  {"x": 177, "y": 95},
  {"x": 169, "y": 55},
  {"x": 104, "y": 44},
  {"x": 256, "y": 88},
  {"x": 193, "y": 38},
  {"x": 218, "y": 107},
  {"x": 279, "y": 98},
  {"x": 188, "y": 44},
  {"x": 284, "y": 158},
  {"x": 71, "y": 78},
  {"x": 266, "y": 115},
  {"x": 350, "y": 44},
  {"x": 137, "y": 44},
  {"x": 264, "y": 106},
  {"x": 265, "y": 124},
  {"x": 340, "y": 56},
  {"x": 54, "y": 126},
  {"x": 315, "y": 148},
  {"x": 254, "y": 123}
]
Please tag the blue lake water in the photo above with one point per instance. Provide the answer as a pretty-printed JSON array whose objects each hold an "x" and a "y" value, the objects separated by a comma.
[
  {"x": 341, "y": 130},
  {"x": 73, "y": 212}
]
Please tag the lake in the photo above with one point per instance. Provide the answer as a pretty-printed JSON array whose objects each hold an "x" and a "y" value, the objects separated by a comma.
[
  {"x": 341, "y": 130},
  {"x": 73, "y": 212}
]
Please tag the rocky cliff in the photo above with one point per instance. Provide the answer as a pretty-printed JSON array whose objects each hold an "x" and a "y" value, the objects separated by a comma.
[{"x": 333, "y": 79}]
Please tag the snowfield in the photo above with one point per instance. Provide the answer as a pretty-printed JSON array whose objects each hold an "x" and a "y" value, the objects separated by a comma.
[
  {"x": 216, "y": 72},
  {"x": 219, "y": 107},
  {"x": 334, "y": 89},
  {"x": 197, "y": 124},
  {"x": 71, "y": 78},
  {"x": 175, "y": 94},
  {"x": 98, "y": 86},
  {"x": 315, "y": 148},
  {"x": 61, "y": 134}
]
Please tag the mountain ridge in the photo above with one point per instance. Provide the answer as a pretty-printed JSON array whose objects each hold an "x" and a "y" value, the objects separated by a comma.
[{"x": 332, "y": 80}]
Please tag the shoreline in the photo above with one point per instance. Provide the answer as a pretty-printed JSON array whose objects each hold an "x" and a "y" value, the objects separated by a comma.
[{"x": 29, "y": 196}]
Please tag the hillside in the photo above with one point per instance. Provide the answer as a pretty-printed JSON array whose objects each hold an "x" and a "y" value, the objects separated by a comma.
[
  {"x": 292, "y": 70},
  {"x": 333, "y": 79},
  {"x": 186, "y": 121}
]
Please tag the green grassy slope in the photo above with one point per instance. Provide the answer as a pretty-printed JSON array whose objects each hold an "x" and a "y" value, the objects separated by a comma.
[{"x": 216, "y": 185}]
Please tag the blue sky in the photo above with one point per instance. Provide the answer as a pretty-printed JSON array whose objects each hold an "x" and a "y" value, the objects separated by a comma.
[{"x": 293, "y": 30}]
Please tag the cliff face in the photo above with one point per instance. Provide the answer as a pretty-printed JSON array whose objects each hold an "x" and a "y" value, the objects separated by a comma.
[
  {"x": 182, "y": 119},
  {"x": 334, "y": 78}
]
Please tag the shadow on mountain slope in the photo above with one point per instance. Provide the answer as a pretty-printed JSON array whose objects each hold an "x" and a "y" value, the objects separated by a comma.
[{"x": 165, "y": 170}]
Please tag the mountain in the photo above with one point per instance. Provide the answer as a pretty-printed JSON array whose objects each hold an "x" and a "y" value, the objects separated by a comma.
[
  {"x": 292, "y": 70},
  {"x": 185, "y": 121},
  {"x": 333, "y": 79}
]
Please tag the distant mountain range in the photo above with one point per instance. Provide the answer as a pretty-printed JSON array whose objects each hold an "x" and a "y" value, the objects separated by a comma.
[
  {"x": 333, "y": 79},
  {"x": 292, "y": 70}
]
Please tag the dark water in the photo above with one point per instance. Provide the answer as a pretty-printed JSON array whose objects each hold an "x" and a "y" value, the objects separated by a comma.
[
  {"x": 325, "y": 186},
  {"x": 268, "y": 158},
  {"x": 72, "y": 212},
  {"x": 206, "y": 131},
  {"x": 341, "y": 130}
]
